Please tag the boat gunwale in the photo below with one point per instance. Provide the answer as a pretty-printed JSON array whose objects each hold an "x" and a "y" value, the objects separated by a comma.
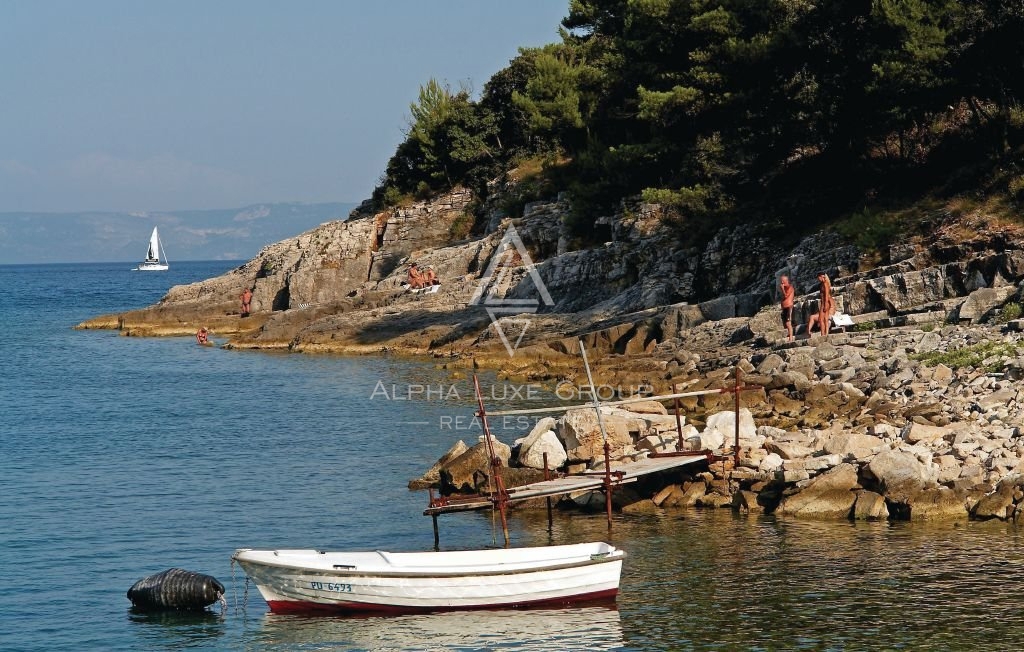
[{"x": 605, "y": 558}]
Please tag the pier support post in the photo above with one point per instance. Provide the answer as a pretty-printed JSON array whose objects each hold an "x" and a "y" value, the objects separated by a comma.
[
  {"x": 679, "y": 420},
  {"x": 547, "y": 476}
]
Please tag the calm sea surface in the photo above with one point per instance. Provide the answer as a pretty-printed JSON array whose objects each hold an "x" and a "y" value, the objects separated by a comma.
[{"x": 122, "y": 457}]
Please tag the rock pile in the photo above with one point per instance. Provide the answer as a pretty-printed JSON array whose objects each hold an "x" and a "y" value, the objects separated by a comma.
[{"x": 902, "y": 423}]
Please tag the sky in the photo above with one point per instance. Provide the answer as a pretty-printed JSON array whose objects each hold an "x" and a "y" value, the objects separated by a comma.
[{"x": 120, "y": 105}]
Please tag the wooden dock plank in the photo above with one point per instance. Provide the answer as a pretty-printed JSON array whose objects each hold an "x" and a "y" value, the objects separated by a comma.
[{"x": 570, "y": 483}]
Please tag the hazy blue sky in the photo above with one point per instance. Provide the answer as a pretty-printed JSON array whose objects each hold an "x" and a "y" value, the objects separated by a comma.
[{"x": 125, "y": 105}]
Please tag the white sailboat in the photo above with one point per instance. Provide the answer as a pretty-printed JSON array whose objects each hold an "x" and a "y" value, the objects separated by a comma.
[{"x": 156, "y": 258}]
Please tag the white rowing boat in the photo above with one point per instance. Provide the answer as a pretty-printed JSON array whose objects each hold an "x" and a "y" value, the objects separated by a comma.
[{"x": 404, "y": 582}]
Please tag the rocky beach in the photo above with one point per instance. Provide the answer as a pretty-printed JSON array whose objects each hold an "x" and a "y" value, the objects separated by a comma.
[{"x": 910, "y": 413}]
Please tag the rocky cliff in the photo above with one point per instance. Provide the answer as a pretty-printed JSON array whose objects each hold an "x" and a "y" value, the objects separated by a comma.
[
  {"x": 657, "y": 314},
  {"x": 339, "y": 287}
]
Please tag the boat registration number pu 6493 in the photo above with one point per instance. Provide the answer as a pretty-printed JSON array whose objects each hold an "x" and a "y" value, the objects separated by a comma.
[{"x": 331, "y": 586}]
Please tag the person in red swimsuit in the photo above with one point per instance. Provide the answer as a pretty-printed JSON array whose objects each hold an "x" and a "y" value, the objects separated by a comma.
[{"x": 246, "y": 298}]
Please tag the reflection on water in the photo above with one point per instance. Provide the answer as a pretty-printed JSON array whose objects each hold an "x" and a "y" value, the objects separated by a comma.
[
  {"x": 177, "y": 629},
  {"x": 715, "y": 580},
  {"x": 584, "y": 628},
  {"x": 296, "y": 451}
]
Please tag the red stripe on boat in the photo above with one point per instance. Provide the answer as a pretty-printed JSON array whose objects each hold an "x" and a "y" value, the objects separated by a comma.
[{"x": 296, "y": 606}]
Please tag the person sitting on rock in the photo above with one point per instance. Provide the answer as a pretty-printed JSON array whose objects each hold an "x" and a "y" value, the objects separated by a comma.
[
  {"x": 430, "y": 277},
  {"x": 415, "y": 278}
]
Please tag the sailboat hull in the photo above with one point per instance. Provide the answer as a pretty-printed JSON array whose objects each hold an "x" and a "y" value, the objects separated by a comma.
[{"x": 152, "y": 267}]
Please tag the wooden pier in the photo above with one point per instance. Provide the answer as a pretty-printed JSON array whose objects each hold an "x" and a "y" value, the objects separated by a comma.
[
  {"x": 607, "y": 479},
  {"x": 621, "y": 474}
]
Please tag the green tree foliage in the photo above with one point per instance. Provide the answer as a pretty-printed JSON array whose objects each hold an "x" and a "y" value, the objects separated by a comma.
[
  {"x": 708, "y": 106},
  {"x": 449, "y": 142}
]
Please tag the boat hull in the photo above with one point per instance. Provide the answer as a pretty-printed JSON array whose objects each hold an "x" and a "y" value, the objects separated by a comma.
[
  {"x": 152, "y": 267},
  {"x": 356, "y": 583}
]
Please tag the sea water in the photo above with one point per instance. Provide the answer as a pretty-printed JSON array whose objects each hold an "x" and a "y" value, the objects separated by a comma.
[{"x": 121, "y": 457}]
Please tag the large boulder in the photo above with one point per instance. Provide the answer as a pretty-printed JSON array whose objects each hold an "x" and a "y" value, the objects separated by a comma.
[
  {"x": 983, "y": 302},
  {"x": 936, "y": 503},
  {"x": 870, "y": 507},
  {"x": 901, "y": 474},
  {"x": 432, "y": 477},
  {"x": 999, "y": 503},
  {"x": 788, "y": 450},
  {"x": 581, "y": 432},
  {"x": 533, "y": 449},
  {"x": 850, "y": 445},
  {"x": 471, "y": 471},
  {"x": 901, "y": 291},
  {"x": 830, "y": 495},
  {"x": 919, "y": 433},
  {"x": 720, "y": 430}
]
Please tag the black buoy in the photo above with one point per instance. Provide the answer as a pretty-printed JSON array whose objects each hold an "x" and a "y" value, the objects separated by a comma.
[{"x": 176, "y": 589}]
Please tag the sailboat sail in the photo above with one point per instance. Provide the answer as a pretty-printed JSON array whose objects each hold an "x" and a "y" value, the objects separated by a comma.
[
  {"x": 156, "y": 259},
  {"x": 154, "y": 248}
]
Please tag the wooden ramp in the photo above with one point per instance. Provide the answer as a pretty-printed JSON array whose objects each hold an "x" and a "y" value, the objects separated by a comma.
[{"x": 567, "y": 484}]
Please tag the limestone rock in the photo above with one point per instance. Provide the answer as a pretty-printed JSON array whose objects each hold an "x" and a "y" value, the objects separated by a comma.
[
  {"x": 851, "y": 445},
  {"x": 747, "y": 501},
  {"x": 432, "y": 477},
  {"x": 997, "y": 504},
  {"x": 770, "y": 463},
  {"x": 870, "y": 507},
  {"x": 830, "y": 495},
  {"x": 647, "y": 407},
  {"x": 531, "y": 454},
  {"x": 788, "y": 450},
  {"x": 721, "y": 430},
  {"x": 982, "y": 302},
  {"x": 936, "y": 503},
  {"x": 581, "y": 432},
  {"x": 916, "y": 433},
  {"x": 900, "y": 474},
  {"x": 470, "y": 471}
]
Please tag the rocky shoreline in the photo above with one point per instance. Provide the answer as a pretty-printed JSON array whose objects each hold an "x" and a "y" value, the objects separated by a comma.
[
  {"x": 914, "y": 413},
  {"x": 872, "y": 425}
]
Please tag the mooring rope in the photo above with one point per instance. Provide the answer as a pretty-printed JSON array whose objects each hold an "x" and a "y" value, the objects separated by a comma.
[{"x": 234, "y": 587}]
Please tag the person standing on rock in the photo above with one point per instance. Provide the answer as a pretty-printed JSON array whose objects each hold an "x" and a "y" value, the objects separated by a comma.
[
  {"x": 826, "y": 306},
  {"x": 246, "y": 299},
  {"x": 788, "y": 295}
]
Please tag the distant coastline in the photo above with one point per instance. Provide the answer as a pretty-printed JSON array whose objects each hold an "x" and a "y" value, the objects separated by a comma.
[{"x": 196, "y": 235}]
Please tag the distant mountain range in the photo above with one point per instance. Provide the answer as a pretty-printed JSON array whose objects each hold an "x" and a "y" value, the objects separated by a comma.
[{"x": 229, "y": 234}]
